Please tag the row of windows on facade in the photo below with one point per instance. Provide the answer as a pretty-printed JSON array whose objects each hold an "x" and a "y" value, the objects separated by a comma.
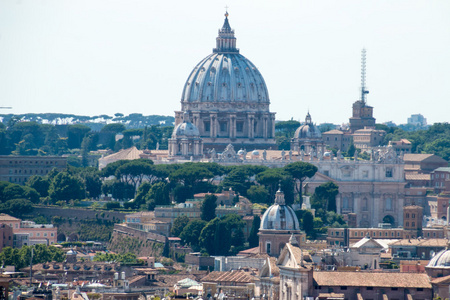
[
  {"x": 365, "y": 207},
  {"x": 365, "y": 174},
  {"x": 443, "y": 176},
  {"x": 386, "y": 234},
  {"x": 38, "y": 234},
  {"x": 412, "y": 216},
  {"x": 369, "y": 288},
  {"x": 30, "y": 162},
  {"x": 335, "y": 138},
  {"x": 223, "y": 126},
  {"x": 15, "y": 179},
  {"x": 25, "y": 171}
]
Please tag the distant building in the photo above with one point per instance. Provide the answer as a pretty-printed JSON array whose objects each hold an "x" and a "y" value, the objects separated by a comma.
[
  {"x": 402, "y": 146},
  {"x": 29, "y": 231},
  {"x": 368, "y": 138},
  {"x": 417, "y": 120},
  {"x": 423, "y": 163},
  {"x": 362, "y": 116},
  {"x": 439, "y": 178},
  {"x": 337, "y": 139},
  {"x": 308, "y": 138},
  {"x": 347, "y": 236},
  {"x": 6, "y": 236},
  {"x": 18, "y": 168}
]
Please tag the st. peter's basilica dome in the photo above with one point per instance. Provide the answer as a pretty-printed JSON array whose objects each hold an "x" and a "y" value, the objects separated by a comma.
[{"x": 225, "y": 75}]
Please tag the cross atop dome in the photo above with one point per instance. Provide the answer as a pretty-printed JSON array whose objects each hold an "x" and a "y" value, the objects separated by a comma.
[{"x": 226, "y": 42}]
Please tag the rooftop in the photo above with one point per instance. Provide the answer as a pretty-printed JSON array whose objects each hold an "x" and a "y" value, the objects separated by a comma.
[{"x": 372, "y": 279}]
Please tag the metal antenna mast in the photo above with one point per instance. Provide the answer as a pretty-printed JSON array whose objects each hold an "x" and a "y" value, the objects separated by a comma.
[{"x": 363, "y": 76}]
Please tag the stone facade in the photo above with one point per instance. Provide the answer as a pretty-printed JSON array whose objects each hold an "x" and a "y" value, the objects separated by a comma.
[
  {"x": 373, "y": 190},
  {"x": 17, "y": 169}
]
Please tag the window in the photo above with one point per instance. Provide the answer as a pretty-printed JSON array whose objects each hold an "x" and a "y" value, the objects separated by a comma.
[
  {"x": 207, "y": 125},
  {"x": 223, "y": 126},
  {"x": 343, "y": 287},
  {"x": 413, "y": 216},
  {"x": 394, "y": 289},
  {"x": 413, "y": 224},
  {"x": 388, "y": 172},
  {"x": 370, "y": 288},
  {"x": 388, "y": 204},
  {"x": 240, "y": 126},
  {"x": 407, "y": 224},
  {"x": 419, "y": 289},
  {"x": 407, "y": 215},
  {"x": 268, "y": 248}
]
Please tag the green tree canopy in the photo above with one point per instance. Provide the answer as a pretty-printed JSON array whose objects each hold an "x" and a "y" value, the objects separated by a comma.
[
  {"x": 191, "y": 233},
  {"x": 300, "y": 171},
  {"x": 253, "y": 239},
  {"x": 206, "y": 239},
  {"x": 66, "y": 187},
  {"x": 209, "y": 207},
  {"x": 258, "y": 194},
  {"x": 325, "y": 196},
  {"x": 178, "y": 225},
  {"x": 40, "y": 184}
]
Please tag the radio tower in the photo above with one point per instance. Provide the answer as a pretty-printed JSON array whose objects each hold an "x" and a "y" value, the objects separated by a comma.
[{"x": 363, "y": 76}]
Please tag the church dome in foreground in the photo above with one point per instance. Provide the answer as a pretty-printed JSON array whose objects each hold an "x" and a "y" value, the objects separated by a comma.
[
  {"x": 225, "y": 75},
  {"x": 279, "y": 216},
  {"x": 440, "y": 260}
]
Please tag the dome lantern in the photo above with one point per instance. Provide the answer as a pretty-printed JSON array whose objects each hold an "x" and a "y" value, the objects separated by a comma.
[
  {"x": 226, "y": 42},
  {"x": 279, "y": 197}
]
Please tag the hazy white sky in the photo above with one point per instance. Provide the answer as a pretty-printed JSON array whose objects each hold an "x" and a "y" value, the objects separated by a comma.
[{"x": 96, "y": 57}]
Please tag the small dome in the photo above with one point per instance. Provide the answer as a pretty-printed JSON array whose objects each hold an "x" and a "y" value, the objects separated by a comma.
[
  {"x": 240, "y": 152},
  {"x": 255, "y": 152},
  {"x": 186, "y": 129},
  {"x": 327, "y": 154},
  {"x": 71, "y": 252},
  {"x": 440, "y": 260},
  {"x": 308, "y": 130},
  {"x": 279, "y": 216}
]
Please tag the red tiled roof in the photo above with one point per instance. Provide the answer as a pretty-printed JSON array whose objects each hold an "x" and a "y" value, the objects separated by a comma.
[
  {"x": 440, "y": 280},
  {"x": 417, "y": 177},
  {"x": 381, "y": 279},
  {"x": 231, "y": 276}
]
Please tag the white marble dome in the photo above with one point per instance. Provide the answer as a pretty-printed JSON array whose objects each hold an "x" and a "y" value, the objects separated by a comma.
[
  {"x": 440, "y": 260},
  {"x": 279, "y": 216},
  {"x": 185, "y": 129}
]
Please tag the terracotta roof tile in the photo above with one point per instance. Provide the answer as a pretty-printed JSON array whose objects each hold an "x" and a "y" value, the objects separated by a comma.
[
  {"x": 231, "y": 276},
  {"x": 417, "y": 177},
  {"x": 421, "y": 242},
  {"x": 5, "y": 217},
  {"x": 381, "y": 279}
]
